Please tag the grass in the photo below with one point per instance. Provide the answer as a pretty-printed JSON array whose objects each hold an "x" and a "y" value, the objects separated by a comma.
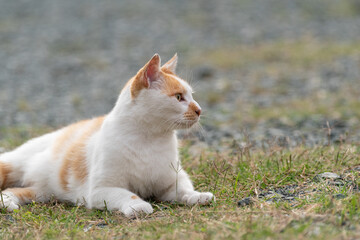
[{"x": 234, "y": 173}]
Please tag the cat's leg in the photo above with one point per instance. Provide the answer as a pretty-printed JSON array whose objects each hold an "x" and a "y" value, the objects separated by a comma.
[
  {"x": 12, "y": 198},
  {"x": 184, "y": 192},
  {"x": 119, "y": 199}
]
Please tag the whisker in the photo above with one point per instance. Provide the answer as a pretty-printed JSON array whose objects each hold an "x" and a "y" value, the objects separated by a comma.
[
  {"x": 189, "y": 76},
  {"x": 201, "y": 131},
  {"x": 171, "y": 126}
]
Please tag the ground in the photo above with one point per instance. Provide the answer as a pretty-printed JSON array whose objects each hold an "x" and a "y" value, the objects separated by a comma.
[
  {"x": 270, "y": 193},
  {"x": 278, "y": 82}
]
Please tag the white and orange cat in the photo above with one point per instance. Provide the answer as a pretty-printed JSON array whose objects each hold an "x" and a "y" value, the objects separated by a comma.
[{"x": 115, "y": 161}]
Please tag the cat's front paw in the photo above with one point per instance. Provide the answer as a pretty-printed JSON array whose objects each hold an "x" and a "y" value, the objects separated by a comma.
[
  {"x": 137, "y": 209},
  {"x": 202, "y": 198},
  {"x": 8, "y": 201}
]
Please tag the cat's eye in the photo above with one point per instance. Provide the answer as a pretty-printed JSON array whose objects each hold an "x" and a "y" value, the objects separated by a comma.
[{"x": 179, "y": 97}]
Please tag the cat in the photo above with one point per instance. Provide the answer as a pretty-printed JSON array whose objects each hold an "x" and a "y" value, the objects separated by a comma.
[{"x": 114, "y": 161}]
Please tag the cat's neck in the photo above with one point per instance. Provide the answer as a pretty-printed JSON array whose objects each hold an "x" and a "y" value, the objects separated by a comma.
[
  {"x": 122, "y": 123},
  {"x": 131, "y": 118}
]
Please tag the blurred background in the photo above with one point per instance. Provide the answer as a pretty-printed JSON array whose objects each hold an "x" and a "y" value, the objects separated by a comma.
[{"x": 281, "y": 72}]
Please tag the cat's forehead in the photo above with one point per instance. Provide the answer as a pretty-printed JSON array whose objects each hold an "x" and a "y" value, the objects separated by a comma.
[
  {"x": 185, "y": 84},
  {"x": 173, "y": 85}
]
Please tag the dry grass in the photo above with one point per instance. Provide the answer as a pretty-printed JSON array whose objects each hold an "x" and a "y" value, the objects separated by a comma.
[{"x": 231, "y": 175}]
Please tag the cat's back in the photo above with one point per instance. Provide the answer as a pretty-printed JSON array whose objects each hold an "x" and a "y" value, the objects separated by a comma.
[
  {"x": 75, "y": 137},
  {"x": 56, "y": 143},
  {"x": 31, "y": 147}
]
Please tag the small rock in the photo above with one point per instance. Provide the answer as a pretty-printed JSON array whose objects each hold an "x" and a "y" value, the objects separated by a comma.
[
  {"x": 245, "y": 202},
  {"x": 328, "y": 175},
  {"x": 339, "y": 196}
]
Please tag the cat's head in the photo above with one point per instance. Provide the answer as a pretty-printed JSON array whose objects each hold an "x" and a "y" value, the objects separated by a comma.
[{"x": 161, "y": 99}]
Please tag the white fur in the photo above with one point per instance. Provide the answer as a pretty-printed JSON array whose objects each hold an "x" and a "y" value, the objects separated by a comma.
[{"x": 133, "y": 154}]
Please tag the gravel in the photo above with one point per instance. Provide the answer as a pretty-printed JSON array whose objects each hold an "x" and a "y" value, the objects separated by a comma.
[
  {"x": 291, "y": 193},
  {"x": 286, "y": 193},
  {"x": 63, "y": 61}
]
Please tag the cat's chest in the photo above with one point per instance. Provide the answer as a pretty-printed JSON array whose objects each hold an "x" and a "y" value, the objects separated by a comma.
[
  {"x": 151, "y": 170},
  {"x": 144, "y": 166},
  {"x": 149, "y": 164}
]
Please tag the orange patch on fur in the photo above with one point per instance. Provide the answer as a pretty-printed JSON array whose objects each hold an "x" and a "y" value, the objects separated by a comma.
[
  {"x": 75, "y": 156},
  {"x": 171, "y": 85},
  {"x": 150, "y": 70},
  {"x": 134, "y": 197},
  {"x": 163, "y": 77},
  {"x": 193, "y": 107},
  {"x": 191, "y": 112},
  {"x": 170, "y": 66},
  {"x": 127, "y": 84},
  {"x": 137, "y": 84},
  {"x": 66, "y": 136},
  {"x": 167, "y": 71},
  {"x": 23, "y": 194},
  {"x": 5, "y": 169}
]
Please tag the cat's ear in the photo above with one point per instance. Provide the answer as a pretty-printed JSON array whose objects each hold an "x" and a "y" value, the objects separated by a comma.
[
  {"x": 171, "y": 64},
  {"x": 146, "y": 75},
  {"x": 152, "y": 70}
]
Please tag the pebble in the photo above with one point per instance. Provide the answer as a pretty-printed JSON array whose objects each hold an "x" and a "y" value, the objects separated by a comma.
[
  {"x": 245, "y": 202},
  {"x": 328, "y": 175}
]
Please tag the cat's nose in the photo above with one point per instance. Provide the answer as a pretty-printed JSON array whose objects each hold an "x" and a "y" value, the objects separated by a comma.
[{"x": 198, "y": 111}]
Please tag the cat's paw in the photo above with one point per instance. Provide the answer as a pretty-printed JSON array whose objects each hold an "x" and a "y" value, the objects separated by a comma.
[
  {"x": 202, "y": 198},
  {"x": 138, "y": 209},
  {"x": 8, "y": 201}
]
